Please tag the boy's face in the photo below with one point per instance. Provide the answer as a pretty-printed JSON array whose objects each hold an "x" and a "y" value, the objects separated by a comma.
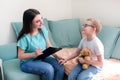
[{"x": 88, "y": 28}]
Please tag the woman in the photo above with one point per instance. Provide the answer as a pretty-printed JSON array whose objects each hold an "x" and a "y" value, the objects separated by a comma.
[{"x": 32, "y": 40}]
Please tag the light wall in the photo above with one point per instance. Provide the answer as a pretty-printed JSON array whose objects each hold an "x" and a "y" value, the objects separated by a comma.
[
  {"x": 12, "y": 10},
  {"x": 107, "y": 11}
]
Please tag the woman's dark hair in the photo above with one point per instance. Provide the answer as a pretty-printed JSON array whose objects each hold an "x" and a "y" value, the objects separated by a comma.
[{"x": 28, "y": 17}]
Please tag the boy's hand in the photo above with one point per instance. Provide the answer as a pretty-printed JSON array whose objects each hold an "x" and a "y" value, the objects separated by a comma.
[{"x": 81, "y": 60}]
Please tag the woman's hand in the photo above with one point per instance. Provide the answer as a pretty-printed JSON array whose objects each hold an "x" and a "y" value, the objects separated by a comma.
[
  {"x": 38, "y": 51},
  {"x": 57, "y": 57},
  {"x": 62, "y": 61}
]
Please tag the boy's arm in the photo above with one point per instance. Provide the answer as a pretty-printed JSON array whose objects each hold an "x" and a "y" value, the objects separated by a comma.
[{"x": 99, "y": 61}]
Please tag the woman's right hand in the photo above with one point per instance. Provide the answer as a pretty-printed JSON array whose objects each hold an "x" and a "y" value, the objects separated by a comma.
[
  {"x": 62, "y": 61},
  {"x": 38, "y": 51}
]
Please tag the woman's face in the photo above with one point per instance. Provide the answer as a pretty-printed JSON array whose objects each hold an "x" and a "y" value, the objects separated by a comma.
[{"x": 37, "y": 21}]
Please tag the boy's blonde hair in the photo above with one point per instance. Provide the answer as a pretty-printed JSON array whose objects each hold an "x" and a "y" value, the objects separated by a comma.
[{"x": 95, "y": 23}]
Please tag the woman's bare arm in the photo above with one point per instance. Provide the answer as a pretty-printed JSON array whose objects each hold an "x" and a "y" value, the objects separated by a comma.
[{"x": 23, "y": 55}]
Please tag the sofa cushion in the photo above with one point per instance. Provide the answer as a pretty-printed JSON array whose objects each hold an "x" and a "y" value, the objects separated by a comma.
[
  {"x": 108, "y": 36},
  {"x": 116, "y": 51},
  {"x": 17, "y": 26},
  {"x": 8, "y": 51},
  {"x": 65, "y": 33},
  {"x": 13, "y": 72},
  {"x": 49, "y": 33}
]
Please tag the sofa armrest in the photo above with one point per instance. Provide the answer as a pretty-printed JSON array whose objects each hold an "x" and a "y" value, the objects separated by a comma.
[
  {"x": 1, "y": 70},
  {"x": 8, "y": 51}
]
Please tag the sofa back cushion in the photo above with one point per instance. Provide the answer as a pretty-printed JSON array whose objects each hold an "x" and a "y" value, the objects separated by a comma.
[
  {"x": 116, "y": 51},
  {"x": 65, "y": 33},
  {"x": 17, "y": 26},
  {"x": 108, "y": 36},
  {"x": 49, "y": 33},
  {"x": 8, "y": 51}
]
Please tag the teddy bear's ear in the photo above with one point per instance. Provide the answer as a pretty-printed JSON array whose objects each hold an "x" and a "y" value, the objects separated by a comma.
[
  {"x": 81, "y": 51},
  {"x": 89, "y": 52}
]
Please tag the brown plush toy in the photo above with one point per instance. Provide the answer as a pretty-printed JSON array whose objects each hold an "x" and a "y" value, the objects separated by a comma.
[{"x": 85, "y": 54}]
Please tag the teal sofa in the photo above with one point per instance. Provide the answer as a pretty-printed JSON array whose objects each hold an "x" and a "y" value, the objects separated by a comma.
[{"x": 62, "y": 33}]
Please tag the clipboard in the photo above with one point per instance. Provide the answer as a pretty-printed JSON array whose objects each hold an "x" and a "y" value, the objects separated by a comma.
[{"x": 47, "y": 52}]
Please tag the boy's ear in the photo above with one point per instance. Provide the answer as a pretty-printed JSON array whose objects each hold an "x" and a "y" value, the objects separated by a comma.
[{"x": 95, "y": 29}]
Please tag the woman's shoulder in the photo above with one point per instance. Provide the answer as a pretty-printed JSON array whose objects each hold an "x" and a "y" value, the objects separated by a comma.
[{"x": 25, "y": 36}]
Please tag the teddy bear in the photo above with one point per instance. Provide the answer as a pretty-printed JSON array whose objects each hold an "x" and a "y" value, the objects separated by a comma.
[{"x": 85, "y": 53}]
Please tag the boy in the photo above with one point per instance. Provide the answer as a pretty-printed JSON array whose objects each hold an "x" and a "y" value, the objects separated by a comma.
[{"x": 91, "y": 28}]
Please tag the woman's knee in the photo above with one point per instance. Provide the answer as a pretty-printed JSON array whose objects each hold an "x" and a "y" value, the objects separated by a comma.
[
  {"x": 49, "y": 69},
  {"x": 46, "y": 69},
  {"x": 48, "y": 73},
  {"x": 39, "y": 68}
]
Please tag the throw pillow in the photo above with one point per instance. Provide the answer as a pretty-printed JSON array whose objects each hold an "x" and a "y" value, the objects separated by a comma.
[
  {"x": 108, "y": 36},
  {"x": 116, "y": 51},
  {"x": 17, "y": 26},
  {"x": 65, "y": 33}
]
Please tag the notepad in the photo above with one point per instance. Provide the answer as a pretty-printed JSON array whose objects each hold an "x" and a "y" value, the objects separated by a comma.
[{"x": 47, "y": 52}]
